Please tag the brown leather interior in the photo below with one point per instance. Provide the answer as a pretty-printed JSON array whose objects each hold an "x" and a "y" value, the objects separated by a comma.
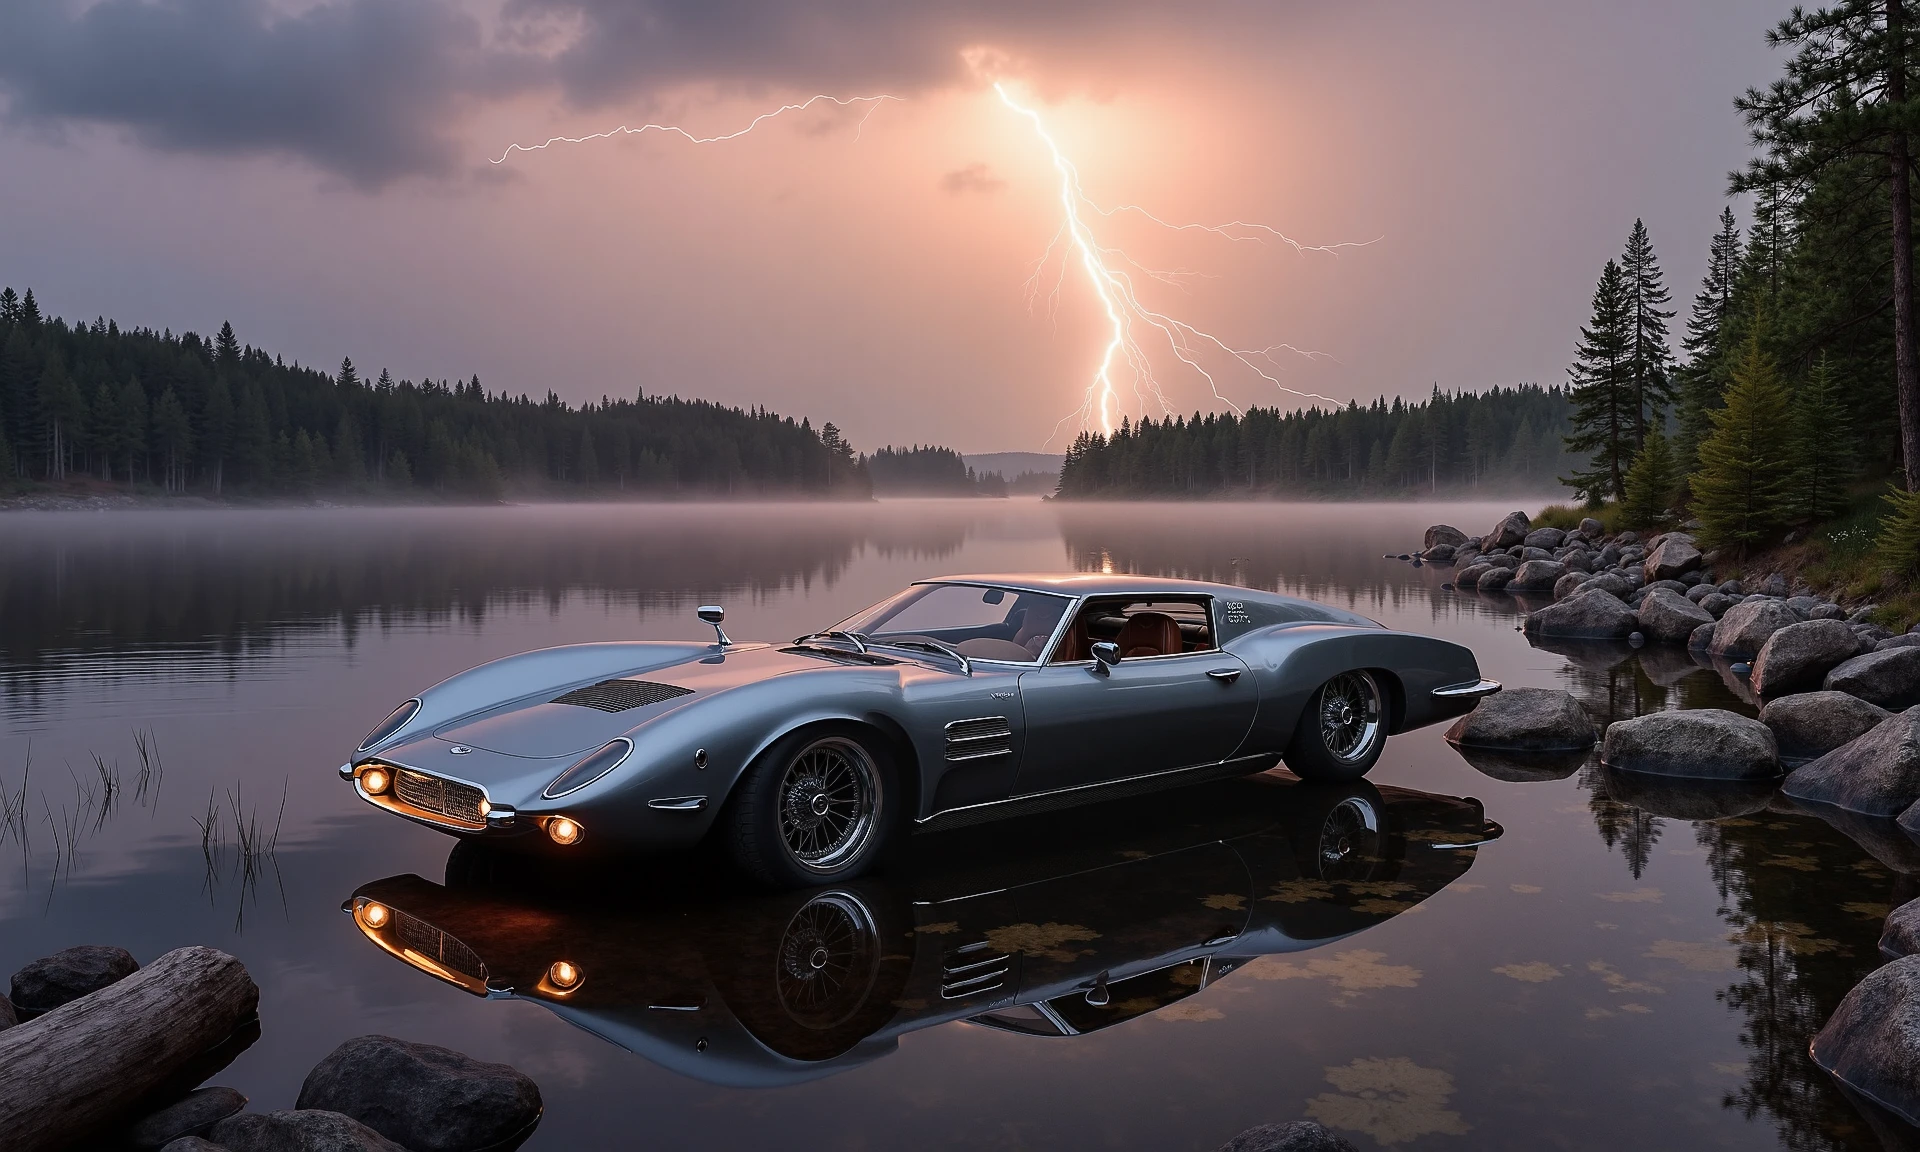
[
  {"x": 1033, "y": 638},
  {"x": 1149, "y": 634}
]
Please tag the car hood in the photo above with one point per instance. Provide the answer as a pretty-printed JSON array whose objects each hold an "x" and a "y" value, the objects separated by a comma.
[{"x": 539, "y": 726}]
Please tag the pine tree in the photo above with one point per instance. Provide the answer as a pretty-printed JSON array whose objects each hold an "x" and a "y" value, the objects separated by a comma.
[
  {"x": 226, "y": 347},
  {"x": 1898, "y": 545},
  {"x": 173, "y": 436},
  {"x": 348, "y": 379},
  {"x": 130, "y": 427},
  {"x": 1701, "y": 381},
  {"x": 1651, "y": 483},
  {"x": 587, "y": 464},
  {"x": 1739, "y": 491},
  {"x": 9, "y": 307},
  {"x": 1605, "y": 409},
  {"x": 1822, "y": 447},
  {"x": 398, "y": 472},
  {"x": 216, "y": 430},
  {"x": 1649, "y": 359}
]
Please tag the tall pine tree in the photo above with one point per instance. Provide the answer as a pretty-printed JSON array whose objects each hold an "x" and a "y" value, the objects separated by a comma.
[
  {"x": 1703, "y": 377},
  {"x": 1649, "y": 358},
  {"x": 1605, "y": 409},
  {"x": 1650, "y": 484},
  {"x": 1822, "y": 447},
  {"x": 1739, "y": 490}
]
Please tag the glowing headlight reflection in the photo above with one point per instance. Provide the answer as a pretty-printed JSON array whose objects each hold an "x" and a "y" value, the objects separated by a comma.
[
  {"x": 375, "y": 781},
  {"x": 563, "y": 831}
]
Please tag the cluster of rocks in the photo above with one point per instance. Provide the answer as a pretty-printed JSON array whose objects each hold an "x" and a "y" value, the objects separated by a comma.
[
  {"x": 371, "y": 1094},
  {"x": 1299, "y": 1136}
]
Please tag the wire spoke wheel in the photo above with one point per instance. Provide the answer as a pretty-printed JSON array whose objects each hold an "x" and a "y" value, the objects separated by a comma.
[
  {"x": 829, "y": 800},
  {"x": 1350, "y": 711},
  {"x": 829, "y": 956},
  {"x": 1349, "y": 840}
]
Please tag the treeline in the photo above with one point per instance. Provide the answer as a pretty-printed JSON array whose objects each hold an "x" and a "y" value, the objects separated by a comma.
[
  {"x": 184, "y": 413},
  {"x": 930, "y": 470},
  {"x": 1796, "y": 385},
  {"x": 1501, "y": 439}
]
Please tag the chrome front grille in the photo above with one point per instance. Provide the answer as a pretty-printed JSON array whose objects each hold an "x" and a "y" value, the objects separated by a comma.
[
  {"x": 972, "y": 969},
  {"x": 422, "y": 938},
  {"x": 621, "y": 695},
  {"x": 979, "y": 738},
  {"x": 440, "y": 796}
]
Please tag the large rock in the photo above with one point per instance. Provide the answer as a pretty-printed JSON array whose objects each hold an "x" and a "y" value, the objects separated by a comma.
[
  {"x": 1798, "y": 657},
  {"x": 1570, "y": 583},
  {"x": 1877, "y": 774},
  {"x": 1613, "y": 584},
  {"x": 1469, "y": 577},
  {"x": 1299, "y": 1136},
  {"x": 427, "y": 1098},
  {"x": 1675, "y": 557},
  {"x": 1699, "y": 743},
  {"x": 1904, "y": 640},
  {"x": 1592, "y": 529},
  {"x": 1589, "y": 614},
  {"x": 1525, "y": 720},
  {"x": 1901, "y": 934},
  {"x": 193, "y": 1144},
  {"x": 192, "y": 1116},
  {"x": 1871, "y": 1043},
  {"x": 1812, "y": 724},
  {"x": 302, "y": 1131},
  {"x": 1701, "y": 638},
  {"x": 1744, "y": 630},
  {"x": 1890, "y": 679},
  {"x": 1716, "y": 604},
  {"x": 1667, "y": 616},
  {"x": 1544, "y": 538},
  {"x": 1439, "y": 554},
  {"x": 67, "y": 975},
  {"x": 1536, "y": 576},
  {"x": 1443, "y": 534},
  {"x": 1508, "y": 532},
  {"x": 8, "y": 1017},
  {"x": 1495, "y": 579}
]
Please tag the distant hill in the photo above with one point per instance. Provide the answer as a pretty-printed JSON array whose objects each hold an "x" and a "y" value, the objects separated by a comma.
[{"x": 1011, "y": 464}]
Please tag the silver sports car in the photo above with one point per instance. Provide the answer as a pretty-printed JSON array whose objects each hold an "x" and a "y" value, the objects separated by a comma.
[{"x": 960, "y": 699}]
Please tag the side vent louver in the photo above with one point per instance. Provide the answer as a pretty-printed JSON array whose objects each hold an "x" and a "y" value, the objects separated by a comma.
[
  {"x": 973, "y": 968},
  {"x": 979, "y": 738},
  {"x": 620, "y": 695}
]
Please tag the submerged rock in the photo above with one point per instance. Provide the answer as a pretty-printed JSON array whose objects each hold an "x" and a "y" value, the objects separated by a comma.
[
  {"x": 1299, "y": 1136},
  {"x": 1525, "y": 720},
  {"x": 1872, "y": 1042},
  {"x": 1589, "y": 614},
  {"x": 1890, "y": 679},
  {"x": 1744, "y": 630},
  {"x": 1877, "y": 774},
  {"x": 1901, "y": 936},
  {"x": 67, "y": 975},
  {"x": 1812, "y": 724},
  {"x": 1669, "y": 617},
  {"x": 1699, "y": 743},
  {"x": 305, "y": 1130},
  {"x": 192, "y": 1116},
  {"x": 1524, "y": 767},
  {"x": 428, "y": 1098},
  {"x": 1798, "y": 657},
  {"x": 1687, "y": 799}
]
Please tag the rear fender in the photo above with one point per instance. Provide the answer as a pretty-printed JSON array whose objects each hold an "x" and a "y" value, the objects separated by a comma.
[{"x": 1291, "y": 661}]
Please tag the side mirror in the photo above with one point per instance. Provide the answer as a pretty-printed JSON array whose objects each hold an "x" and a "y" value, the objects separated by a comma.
[
  {"x": 713, "y": 614},
  {"x": 1105, "y": 654}
]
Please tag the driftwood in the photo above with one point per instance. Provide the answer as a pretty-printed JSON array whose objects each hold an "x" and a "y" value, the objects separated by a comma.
[{"x": 78, "y": 1070}]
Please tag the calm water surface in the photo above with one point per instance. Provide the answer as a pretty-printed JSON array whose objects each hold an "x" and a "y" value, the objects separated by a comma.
[{"x": 1624, "y": 967}]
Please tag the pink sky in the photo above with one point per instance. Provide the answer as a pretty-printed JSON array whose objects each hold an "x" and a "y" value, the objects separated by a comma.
[{"x": 319, "y": 176}]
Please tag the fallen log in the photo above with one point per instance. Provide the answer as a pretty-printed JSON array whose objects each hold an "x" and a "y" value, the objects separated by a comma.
[{"x": 80, "y": 1069}]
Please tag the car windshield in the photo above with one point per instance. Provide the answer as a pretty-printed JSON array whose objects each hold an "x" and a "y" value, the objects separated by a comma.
[{"x": 978, "y": 621}]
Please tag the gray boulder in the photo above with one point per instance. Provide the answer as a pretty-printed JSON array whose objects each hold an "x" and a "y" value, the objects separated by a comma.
[
  {"x": 1299, "y": 1136},
  {"x": 1904, "y": 640},
  {"x": 1613, "y": 584},
  {"x": 1775, "y": 585},
  {"x": 1699, "y": 592},
  {"x": 8, "y": 1017},
  {"x": 1715, "y": 604},
  {"x": 1577, "y": 560},
  {"x": 1798, "y": 657},
  {"x": 1675, "y": 556},
  {"x": 1827, "y": 612},
  {"x": 1667, "y": 616},
  {"x": 1439, "y": 553},
  {"x": 1890, "y": 679},
  {"x": 1510, "y": 531},
  {"x": 1502, "y": 560},
  {"x": 1877, "y": 774},
  {"x": 193, "y": 1144},
  {"x": 1589, "y": 614},
  {"x": 1901, "y": 935},
  {"x": 1570, "y": 583},
  {"x": 1811, "y": 724},
  {"x": 1544, "y": 538},
  {"x": 1469, "y": 577},
  {"x": 1873, "y": 633},
  {"x": 1529, "y": 553},
  {"x": 1536, "y": 576},
  {"x": 1804, "y": 605},
  {"x": 1871, "y": 1043},
  {"x": 1443, "y": 534},
  {"x": 1699, "y": 743},
  {"x": 1592, "y": 529},
  {"x": 306, "y": 1130},
  {"x": 1495, "y": 579},
  {"x": 194, "y": 1115},
  {"x": 1701, "y": 638},
  {"x": 67, "y": 975},
  {"x": 1525, "y": 720},
  {"x": 1744, "y": 630},
  {"x": 427, "y": 1098}
]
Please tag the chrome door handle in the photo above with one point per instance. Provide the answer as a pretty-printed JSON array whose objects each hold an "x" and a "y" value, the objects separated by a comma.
[{"x": 1225, "y": 675}]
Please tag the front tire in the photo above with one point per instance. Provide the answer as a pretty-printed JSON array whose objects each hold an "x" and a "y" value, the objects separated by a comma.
[
  {"x": 1341, "y": 731},
  {"x": 815, "y": 808}
]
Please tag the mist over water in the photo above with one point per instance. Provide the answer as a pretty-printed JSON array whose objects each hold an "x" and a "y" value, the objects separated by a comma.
[{"x": 1625, "y": 965}]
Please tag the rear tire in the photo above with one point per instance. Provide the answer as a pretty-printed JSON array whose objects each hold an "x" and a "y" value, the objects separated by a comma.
[
  {"x": 815, "y": 808},
  {"x": 1341, "y": 731}
]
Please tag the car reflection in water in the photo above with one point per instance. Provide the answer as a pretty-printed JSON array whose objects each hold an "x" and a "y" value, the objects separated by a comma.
[{"x": 1048, "y": 926}]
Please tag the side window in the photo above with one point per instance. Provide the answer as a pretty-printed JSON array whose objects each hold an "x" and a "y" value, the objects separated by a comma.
[{"x": 1159, "y": 627}]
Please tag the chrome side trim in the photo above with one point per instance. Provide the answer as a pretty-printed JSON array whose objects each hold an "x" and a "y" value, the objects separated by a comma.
[
  {"x": 1469, "y": 691},
  {"x": 679, "y": 803},
  {"x": 1091, "y": 793}
]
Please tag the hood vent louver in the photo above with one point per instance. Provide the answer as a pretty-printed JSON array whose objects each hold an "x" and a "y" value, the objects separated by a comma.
[
  {"x": 621, "y": 695},
  {"x": 979, "y": 738}
]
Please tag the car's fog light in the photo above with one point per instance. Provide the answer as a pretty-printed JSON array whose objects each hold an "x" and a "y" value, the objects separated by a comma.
[
  {"x": 375, "y": 781},
  {"x": 563, "y": 976},
  {"x": 375, "y": 915},
  {"x": 563, "y": 831}
]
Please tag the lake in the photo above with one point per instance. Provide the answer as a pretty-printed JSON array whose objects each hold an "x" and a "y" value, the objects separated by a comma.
[{"x": 1623, "y": 967}]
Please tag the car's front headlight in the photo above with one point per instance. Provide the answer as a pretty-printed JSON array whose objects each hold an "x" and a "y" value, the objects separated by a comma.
[
  {"x": 396, "y": 720},
  {"x": 608, "y": 757}
]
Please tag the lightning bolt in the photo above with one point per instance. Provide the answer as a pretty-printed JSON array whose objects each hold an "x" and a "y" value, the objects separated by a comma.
[
  {"x": 1107, "y": 272},
  {"x": 872, "y": 102}
]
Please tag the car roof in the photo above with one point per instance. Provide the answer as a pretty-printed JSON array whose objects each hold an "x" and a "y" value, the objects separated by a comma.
[{"x": 1092, "y": 584}]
